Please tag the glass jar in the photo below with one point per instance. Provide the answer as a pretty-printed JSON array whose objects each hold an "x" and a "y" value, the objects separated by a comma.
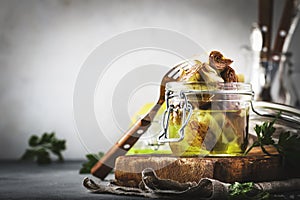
[{"x": 206, "y": 118}]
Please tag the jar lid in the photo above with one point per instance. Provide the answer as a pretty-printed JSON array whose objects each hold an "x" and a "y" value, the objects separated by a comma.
[{"x": 213, "y": 87}]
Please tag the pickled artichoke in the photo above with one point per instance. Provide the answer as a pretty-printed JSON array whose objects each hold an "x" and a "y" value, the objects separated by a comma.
[{"x": 220, "y": 128}]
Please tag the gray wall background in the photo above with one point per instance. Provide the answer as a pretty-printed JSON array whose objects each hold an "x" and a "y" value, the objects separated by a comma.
[{"x": 44, "y": 43}]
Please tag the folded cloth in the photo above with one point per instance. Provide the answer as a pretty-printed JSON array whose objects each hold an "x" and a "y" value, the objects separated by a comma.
[{"x": 153, "y": 187}]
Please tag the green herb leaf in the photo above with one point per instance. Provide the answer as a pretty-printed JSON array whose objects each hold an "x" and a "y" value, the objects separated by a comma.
[
  {"x": 264, "y": 134},
  {"x": 28, "y": 155},
  {"x": 288, "y": 145},
  {"x": 43, "y": 156},
  {"x": 246, "y": 191},
  {"x": 42, "y": 147},
  {"x": 92, "y": 159},
  {"x": 237, "y": 189},
  {"x": 33, "y": 141}
]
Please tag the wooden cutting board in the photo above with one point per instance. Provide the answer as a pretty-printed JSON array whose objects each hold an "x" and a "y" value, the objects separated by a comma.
[{"x": 254, "y": 167}]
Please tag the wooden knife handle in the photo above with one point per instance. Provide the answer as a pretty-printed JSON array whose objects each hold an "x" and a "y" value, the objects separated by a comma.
[
  {"x": 288, "y": 14},
  {"x": 265, "y": 16},
  {"x": 104, "y": 166}
]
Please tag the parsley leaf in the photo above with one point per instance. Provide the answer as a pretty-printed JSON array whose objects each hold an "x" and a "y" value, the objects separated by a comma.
[
  {"x": 288, "y": 145},
  {"x": 92, "y": 159},
  {"x": 246, "y": 191},
  {"x": 264, "y": 134},
  {"x": 41, "y": 147}
]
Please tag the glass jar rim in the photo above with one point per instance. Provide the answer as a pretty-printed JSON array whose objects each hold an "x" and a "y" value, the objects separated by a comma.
[{"x": 228, "y": 87}]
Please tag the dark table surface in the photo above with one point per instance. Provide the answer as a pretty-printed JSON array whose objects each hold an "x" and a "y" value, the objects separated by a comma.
[{"x": 20, "y": 180}]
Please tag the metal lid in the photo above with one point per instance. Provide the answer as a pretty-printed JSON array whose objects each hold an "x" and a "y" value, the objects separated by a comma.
[{"x": 212, "y": 87}]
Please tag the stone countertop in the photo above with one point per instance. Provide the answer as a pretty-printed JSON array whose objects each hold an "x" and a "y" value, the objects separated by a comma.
[{"x": 20, "y": 180}]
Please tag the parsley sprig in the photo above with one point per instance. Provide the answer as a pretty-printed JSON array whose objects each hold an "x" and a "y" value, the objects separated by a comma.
[
  {"x": 246, "y": 191},
  {"x": 41, "y": 147},
  {"x": 264, "y": 134},
  {"x": 288, "y": 145},
  {"x": 92, "y": 159}
]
